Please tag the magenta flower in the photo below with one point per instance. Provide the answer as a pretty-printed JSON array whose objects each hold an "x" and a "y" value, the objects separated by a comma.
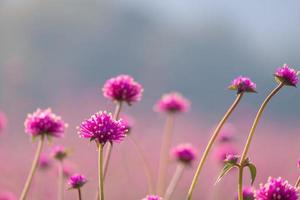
[
  {"x": 7, "y": 196},
  {"x": 59, "y": 152},
  {"x": 276, "y": 189},
  {"x": 242, "y": 84},
  {"x": 286, "y": 75},
  {"x": 44, "y": 162},
  {"x": 3, "y": 121},
  {"x": 248, "y": 194},
  {"x": 152, "y": 197},
  {"x": 103, "y": 128},
  {"x": 77, "y": 181},
  {"x": 44, "y": 122},
  {"x": 122, "y": 88},
  {"x": 172, "y": 102},
  {"x": 222, "y": 151},
  {"x": 185, "y": 153},
  {"x": 231, "y": 158}
]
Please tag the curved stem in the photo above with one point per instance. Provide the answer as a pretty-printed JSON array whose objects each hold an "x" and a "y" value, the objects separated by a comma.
[
  {"x": 298, "y": 182},
  {"x": 100, "y": 172},
  {"x": 79, "y": 194},
  {"x": 33, "y": 168},
  {"x": 60, "y": 181},
  {"x": 176, "y": 177},
  {"x": 145, "y": 163},
  {"x": 164, "y": 154},
  {"x": 240, "y": 185},
  {"x": 210, "y": 144}
]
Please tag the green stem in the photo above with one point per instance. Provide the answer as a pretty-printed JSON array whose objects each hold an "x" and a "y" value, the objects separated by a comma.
[
  {"x": 60, "y": 181},
  {"x": 164, "y": 154},
  {"x": 33, "y": 168},
  {"x": 298, "y": 182},
  {"x": 174, "y": 181},
  {"x": 100, "y": 172},
  {"x": 253, "y": 128},
  {"x": 240, "y": 185},
  {"x": 79, "y": 194},
  {"x": 210, "y": 144}
]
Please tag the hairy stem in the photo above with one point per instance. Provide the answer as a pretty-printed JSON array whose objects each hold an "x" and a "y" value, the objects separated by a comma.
[
  {"x": 100, "y": 172},
  {"x": 174, "y": 181},
  {"x": 210, "y": 144},
  {"x": 33, "y": 168}
]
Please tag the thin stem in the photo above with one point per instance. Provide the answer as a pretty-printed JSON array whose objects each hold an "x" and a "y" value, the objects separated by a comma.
[
  {"x": 164, "y": 154},
  {"x": 252, "y": 130},
  {"x": 100, "y": 172},
  {"x": 145, "y": 162},
  {"x": 210, "y": 144},
  {"x": 110, "y": 145},
  {"x": 60, "y": 181},
  {"x": 33, "y": 168},
  {"x": 298, "y": 182},
  {"x": 174, "y": 181},
  {"x": 79, "y": 194},
  {"x": 240, "y": 185}
]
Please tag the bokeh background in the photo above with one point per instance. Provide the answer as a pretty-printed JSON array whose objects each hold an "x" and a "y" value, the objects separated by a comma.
[{"x": 58, "y": 54}]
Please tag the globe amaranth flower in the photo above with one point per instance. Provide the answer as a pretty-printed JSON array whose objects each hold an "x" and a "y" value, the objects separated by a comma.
[
  {"x": 152, "y": 197},
  {"x": 77, "y": 181},
  {"x": 231, "y": 158},
  {"x": 222, "y": 151},
  {"x": 248, "y": 194},
  {"x": 122, "y": 88},
  {"x": 3, "y": 121},
  {"x": 172, "y": 102},
  {"x": 59, "y": 152},
  {"x": 286, "y": 75},
  {"x": 5, "y": 195},
  {"x": 242, "y": 84},
  {"x": 44, "y": 162},
  {"x": 103, "y": 128},
  {"x": 44, "y": 122},
  {"x": 184, "y": 153},
  {"x": 276, "y": 188}
]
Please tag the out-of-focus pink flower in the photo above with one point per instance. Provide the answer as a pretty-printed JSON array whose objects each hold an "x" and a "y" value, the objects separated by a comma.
[
  {"x": 44, "y": 122},
  {"x": 3, "y": 121},
  {"x": 286, "y": 75},
  {"x": 276, "y": 188},
  {"x": 103, "y": 128},
  {"x": 152, "y": 197},
  {"x": 59, "y": 152},
  {"x": 77, "y": 181},
  {"x": 248, "y": 194},
  {"x": 185, "y": 153},
  {"x": 299, "y": 164},
  {"x": 227, "y": 133},
  {"x": 172, "y": 102},
  {"x": 67, "y": 170},
  {"x": 242, "y": 84},
  {"x": 44, "y": 162},
  {"x": 222, "y": 151},
  {"x": 122, "y": 88},
  {"x": 7, "y": 196}
]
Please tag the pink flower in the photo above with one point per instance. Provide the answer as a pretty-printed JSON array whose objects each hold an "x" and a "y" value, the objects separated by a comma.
[
  {"x": 44, "y": 162},
  {"x": 59, "y": 152},
  {"x": 242, "y": 84},
  {"x": 222, "y": 151},
  {"x": 185, "y": 153},
  {"x": 122, "y": 88},
  {"x": 152, "y": 197},
  {"x": 44, "y": 122},
  {"x": 172, "y": 102},
  {"x": 3, "y": 121},
  {"x": 286, "y": 75},
  {"x": 77, "y": 181},
  {"x": 248, "y": 194},
  {"x": 7, "y": 196}
]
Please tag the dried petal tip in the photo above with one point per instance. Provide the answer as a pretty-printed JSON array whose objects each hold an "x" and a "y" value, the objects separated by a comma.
[
  {"x": 276, "y": 189},
  {"x": 184, "y": 153},
  {"x": 286, "y": 75},
  {"x": 44, "y": 122},
  {"x": 122, "y": 88},
  {"x": 59, "y": 152},
  {"x": 103, "y": 128},
  {"x": 172, "y": 102},
  {"x": 152, "y": 197},
  {"x": 248, "y": 194},
  {"x": 77, "y": 181},
  {"x": 242, "y": 84}
]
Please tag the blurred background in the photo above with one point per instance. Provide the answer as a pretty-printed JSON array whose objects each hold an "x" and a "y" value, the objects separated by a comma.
[{"x": 58, "y": 54}]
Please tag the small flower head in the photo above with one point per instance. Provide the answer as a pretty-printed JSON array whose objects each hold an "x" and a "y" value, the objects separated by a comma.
[
  {"x": 44, "y": 122},
  {"x": 184, "y": 153},
  {"x": 3, "y": 121},
  {"x": 223, "y": 151},
  {"x": 276, "y": 188},
  {"x": 152, "y": 197},
  {"x": 103, "y": 128},
  {"x": 248, "y": 194},
  {"x": 77, "y": 181},
  {"x": 7, "y": 196},
  {"x": 122, "y": 88},
  {"x": 59, "y": 152},
  {"x": 242, "y": 84},
  {"x": 231, "y": 158},
  {"x": 172, "y": 102},
  {"x": 44, "y": 162},
  {"x": 286, "y": 75}
]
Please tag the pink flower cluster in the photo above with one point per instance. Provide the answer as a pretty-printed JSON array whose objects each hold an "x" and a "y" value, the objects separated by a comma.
[{"x": 172, "y": 102}]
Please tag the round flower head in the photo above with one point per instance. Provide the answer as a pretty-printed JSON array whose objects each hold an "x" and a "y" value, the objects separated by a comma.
[
  {"x": 185, "y": 153},
  {"x": 222, "y": 152},
  {"x": 231, "y": 158},
  {"x": 44, "y": 162},
  {"x": 172, "y": 102},
  {"x": 248, "y": 194},
  {"x": 7, "y": 196},
  {"x": 77, "y": 181},
  {"x": 286, "y": 75},
  {"x": 59, "y": 152},
  {"x": 3, "y": 121},
  {"x": 122, "y": 88},
  {"x": 242, "y": 84},
  {"x": 103, "y": 128},
  {"x": 276, "y": 189},
  {"x": 44, "y": 122},
  {"x": 152, "y": 197}
]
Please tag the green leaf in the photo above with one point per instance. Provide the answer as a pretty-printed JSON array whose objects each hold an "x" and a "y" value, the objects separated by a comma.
[
  {"x": 227, "y": 167},
  {"x": 252, "y": 170}
]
